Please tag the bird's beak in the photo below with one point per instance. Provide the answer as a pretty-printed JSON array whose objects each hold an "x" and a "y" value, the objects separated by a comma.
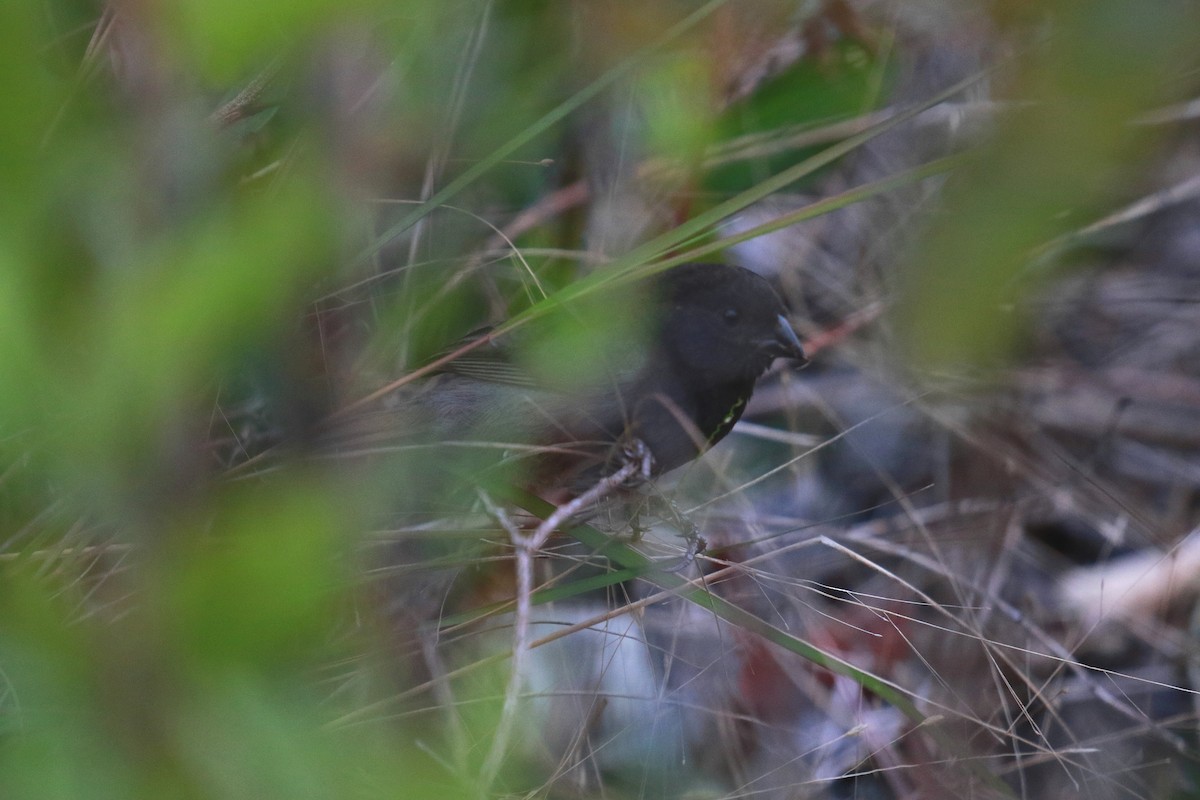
[{"x": 786, "y": 343}]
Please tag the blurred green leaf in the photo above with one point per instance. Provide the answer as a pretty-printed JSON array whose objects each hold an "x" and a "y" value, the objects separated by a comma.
[
  {"x": 53, "y": 743},
  {"x": 587, "y": 343},
  {"x": 259, "y": 586},
  {"x": 226, "y": 38},
  {"x": 163, "y": 327},
  {"x": 1053, "y": 162},
  {"x": 678, "y": 102},
  {"x": 808, "y": 93}
]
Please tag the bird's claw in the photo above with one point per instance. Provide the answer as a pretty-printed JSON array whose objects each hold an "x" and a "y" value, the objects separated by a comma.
[{"x": 635, "y": 451}]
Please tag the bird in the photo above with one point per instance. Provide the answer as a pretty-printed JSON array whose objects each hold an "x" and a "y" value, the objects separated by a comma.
[
  {"x": 659, "y": 369},
  {"x": 663, "y": 367}
]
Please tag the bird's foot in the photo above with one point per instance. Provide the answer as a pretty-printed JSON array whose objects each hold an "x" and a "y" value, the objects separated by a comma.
[
  {"x": 696, "y": 543},
  {"x": 666, "y": 510},
  {"x": 635, "y": 451}
]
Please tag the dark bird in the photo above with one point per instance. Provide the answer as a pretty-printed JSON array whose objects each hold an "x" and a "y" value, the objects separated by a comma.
[
  {"x": 669, "y": 362},
  {"x": 664, "y": 365}
]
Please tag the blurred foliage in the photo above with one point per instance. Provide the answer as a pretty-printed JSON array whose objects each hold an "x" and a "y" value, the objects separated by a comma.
[
  {"x": 844, "y": 84},
  {"x": 1050, "y": 169},
  {"x": 168, "y": 632}
]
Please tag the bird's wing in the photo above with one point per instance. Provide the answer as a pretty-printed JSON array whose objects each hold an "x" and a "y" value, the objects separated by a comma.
[{"x": 489, "y": 362}]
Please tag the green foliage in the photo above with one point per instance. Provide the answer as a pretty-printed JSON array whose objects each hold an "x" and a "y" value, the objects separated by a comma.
[
  {"x": 222, "y": 39},
  {"x": 841, "y": 86},
  {"x": 1050, "y": 168},
  {"x": 170, "y": 630}
]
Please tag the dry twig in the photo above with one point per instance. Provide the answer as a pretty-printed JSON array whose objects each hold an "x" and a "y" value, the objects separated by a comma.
[{"x": 527, "y": 546}]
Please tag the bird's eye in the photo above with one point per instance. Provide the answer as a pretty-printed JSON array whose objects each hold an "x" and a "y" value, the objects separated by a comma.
[{"x": 730, "y": 316}]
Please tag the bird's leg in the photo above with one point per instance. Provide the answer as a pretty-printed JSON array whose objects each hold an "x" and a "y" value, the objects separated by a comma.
[
  {"x": 660, "y": 506},
  {"x": 634, "y": 452},
  {"x": 696, "y": 543},
  {"x": 636, "y": 529}
]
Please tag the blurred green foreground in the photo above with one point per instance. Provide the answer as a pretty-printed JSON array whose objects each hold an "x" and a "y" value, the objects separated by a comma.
[{"x": 185, "y": 216}]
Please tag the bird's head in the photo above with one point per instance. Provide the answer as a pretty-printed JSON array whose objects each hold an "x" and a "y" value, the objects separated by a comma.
[{"x": 724, "y": 322}]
